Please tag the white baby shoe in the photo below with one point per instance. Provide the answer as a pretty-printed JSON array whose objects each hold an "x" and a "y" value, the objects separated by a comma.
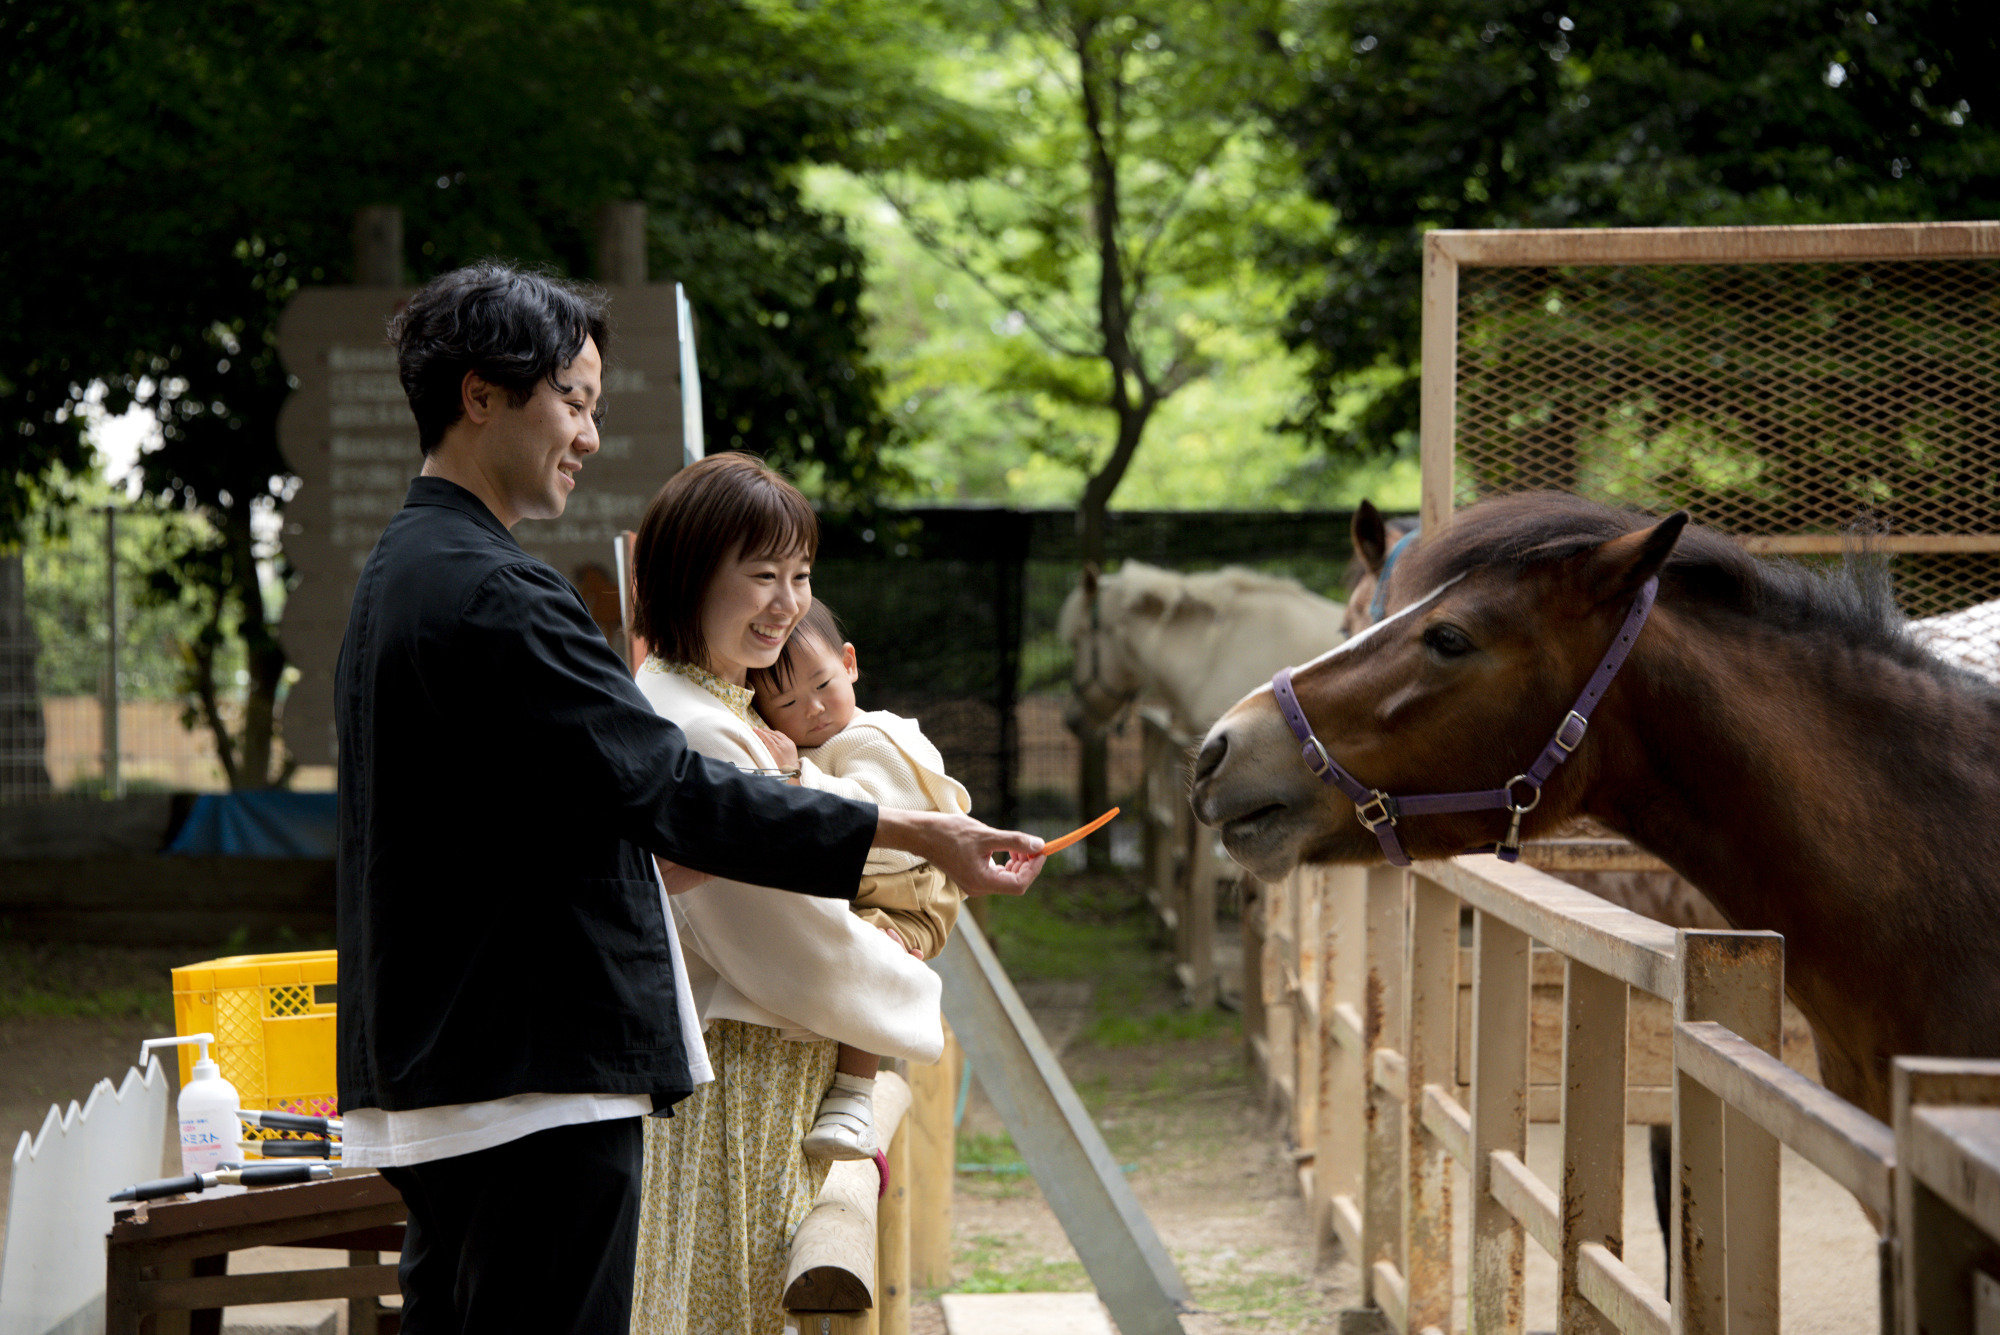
[{"x": 845, "y": 1128}]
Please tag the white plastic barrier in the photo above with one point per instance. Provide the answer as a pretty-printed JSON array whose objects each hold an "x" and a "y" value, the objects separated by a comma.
[{"x": 52, "y": 1273}]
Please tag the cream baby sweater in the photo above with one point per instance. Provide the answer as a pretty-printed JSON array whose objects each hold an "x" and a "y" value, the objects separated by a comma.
[
  {"x": 805, "y": 966},
  {"x": 885, "y": 758}
]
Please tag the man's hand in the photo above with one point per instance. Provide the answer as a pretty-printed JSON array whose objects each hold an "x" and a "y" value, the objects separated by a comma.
[
  {"x": 782, "y": 748},
  {"x": 678, "y": 879},
  {"x": 963, "y": 848}
]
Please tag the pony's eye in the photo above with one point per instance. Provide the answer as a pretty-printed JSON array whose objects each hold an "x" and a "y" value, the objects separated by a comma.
[{"x": 1447, "y": 641}]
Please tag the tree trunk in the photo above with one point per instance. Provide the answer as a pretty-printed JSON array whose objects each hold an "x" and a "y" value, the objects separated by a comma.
[
  {"x": 24, "y": 773},
  {"x": 1093, "y": 778}
]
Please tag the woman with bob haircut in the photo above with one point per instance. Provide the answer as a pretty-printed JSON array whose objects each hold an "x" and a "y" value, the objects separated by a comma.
[{"x": 723, "y": 571}]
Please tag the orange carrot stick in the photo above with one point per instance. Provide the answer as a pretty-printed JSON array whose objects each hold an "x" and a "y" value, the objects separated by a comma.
[{"x": 1058, "y": 845}]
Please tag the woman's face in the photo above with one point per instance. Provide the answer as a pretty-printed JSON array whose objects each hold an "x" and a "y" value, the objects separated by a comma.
[{"x": 749, "y": 607}]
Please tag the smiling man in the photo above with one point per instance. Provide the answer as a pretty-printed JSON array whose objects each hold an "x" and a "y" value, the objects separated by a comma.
[{"x": 511, "y": 999}]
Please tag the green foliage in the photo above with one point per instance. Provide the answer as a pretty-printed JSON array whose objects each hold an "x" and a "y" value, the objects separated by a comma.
[
  {"x": 63, "y": 554},
  {"x": 1102, "y": 264},
  {"x": 1463, "y": 114},
  {"x": 192, "y": 165}
]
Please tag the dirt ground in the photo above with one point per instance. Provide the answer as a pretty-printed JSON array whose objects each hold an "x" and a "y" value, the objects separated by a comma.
[{"x": 1168, "y": 1086}]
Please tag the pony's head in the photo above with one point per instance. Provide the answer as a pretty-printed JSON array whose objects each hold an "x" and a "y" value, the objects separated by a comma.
[
  {"x": 1491, "y": 630},
  {"x": 1379, "y": 547},
  {"x": 1106, "y": 679}
]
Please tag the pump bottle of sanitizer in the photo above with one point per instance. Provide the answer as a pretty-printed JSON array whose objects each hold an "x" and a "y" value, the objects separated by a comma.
[{"x": 211, "y": 1135}]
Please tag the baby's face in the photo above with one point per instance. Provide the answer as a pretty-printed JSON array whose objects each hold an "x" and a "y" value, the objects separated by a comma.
[{"x": 819, "y": 700}]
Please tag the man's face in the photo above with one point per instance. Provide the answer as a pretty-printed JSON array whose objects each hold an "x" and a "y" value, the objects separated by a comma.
[{"x": 531, "y": 455}]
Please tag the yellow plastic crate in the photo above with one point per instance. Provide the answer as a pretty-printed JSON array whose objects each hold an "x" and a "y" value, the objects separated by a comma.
[{"x": 272, "y": 1017}]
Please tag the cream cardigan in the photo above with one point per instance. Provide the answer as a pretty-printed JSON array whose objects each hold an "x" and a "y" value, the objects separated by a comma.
[{"x": 807, "y": 967}]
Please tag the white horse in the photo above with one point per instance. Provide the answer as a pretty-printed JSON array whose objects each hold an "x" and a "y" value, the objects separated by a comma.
[{"x": 1194, "y": 643}]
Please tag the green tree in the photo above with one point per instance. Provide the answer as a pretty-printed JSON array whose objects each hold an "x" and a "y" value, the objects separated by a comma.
[
  {"x": 1113, "y": 229},
  {"x": 192, "y": 165},
  {"x": 1517, "y": 114}
]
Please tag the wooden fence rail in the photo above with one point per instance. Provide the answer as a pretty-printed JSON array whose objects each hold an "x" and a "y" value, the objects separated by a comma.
[{"x": 1396, "y": 1036}]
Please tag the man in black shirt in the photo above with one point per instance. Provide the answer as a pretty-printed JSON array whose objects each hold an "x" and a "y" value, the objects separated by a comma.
[{"x": 507, "y": 1002}]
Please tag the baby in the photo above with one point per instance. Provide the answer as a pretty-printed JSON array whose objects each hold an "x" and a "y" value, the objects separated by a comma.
[{"x": 807, "y": 697}]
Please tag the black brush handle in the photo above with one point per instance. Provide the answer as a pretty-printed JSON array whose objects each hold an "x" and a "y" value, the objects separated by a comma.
[
  {"x": 166, "y": 1186},
  {"x": 297, "y": 1149},
  {"x": 280, "y": 1174},
  {"x": 285, "y": 1121}
]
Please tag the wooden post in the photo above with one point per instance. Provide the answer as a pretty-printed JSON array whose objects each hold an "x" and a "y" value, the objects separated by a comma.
[
  {"x": 378, "y": 246},
  {"x": 1430, "y": 1051},
  {"x": 1437, "y": 424},
  {"x": 892, "y": 1240},
  {"x": 1276, "y": 971},
  {"x": 1724, "y": 1236},
  {"x": 1337, "y": 1162},
  {"x": 1382, "y": 1027},
  {"x": 1306, "y": 1032},
  {"x": 621, "y": 244},
  {"x": 1943, "y": 1250},
  {"x": 933, "y": 1164},
  {"x": 1592, "y": 1194},
  {"x": 1500, "y": 1005},
  {"x": 1256, "y": 895}
]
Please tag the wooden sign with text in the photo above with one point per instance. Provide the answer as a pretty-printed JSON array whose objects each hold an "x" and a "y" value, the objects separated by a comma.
[{"x": 346, "y": 431}]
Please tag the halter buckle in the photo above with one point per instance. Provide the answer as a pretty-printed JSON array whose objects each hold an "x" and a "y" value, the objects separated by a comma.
[
  {"x": 1384, "y": 808},
  {"x": 1570, "y": 735},
  {"x": 1318, "y": 762}
]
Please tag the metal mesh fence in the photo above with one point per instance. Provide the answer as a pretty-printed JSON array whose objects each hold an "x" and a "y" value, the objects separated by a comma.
[
  {"x": 953, "y": 615},
  {"x": 1773, "y": 401},
  {"x": 61, "y": 670},
  {"x": 952, "y": 612}
]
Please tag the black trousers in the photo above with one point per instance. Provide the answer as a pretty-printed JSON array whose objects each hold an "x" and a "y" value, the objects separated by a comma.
[{"x": 537, "y": 1235}]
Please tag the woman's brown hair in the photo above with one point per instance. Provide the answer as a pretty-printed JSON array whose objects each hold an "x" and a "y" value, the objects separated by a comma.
[{"x": 707, "y": 513}]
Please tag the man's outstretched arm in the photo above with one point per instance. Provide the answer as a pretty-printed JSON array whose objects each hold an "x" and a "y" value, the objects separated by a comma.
[
  {"x": 963, "y": 848},
  {"x": 959, "y": 846}
]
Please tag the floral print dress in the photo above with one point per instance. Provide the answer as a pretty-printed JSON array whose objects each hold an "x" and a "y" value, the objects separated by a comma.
[{"x": 726, "y": 1184}]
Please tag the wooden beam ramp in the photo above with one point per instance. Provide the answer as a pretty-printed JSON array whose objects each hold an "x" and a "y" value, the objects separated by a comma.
[{"x": 1062, "y": 1147}]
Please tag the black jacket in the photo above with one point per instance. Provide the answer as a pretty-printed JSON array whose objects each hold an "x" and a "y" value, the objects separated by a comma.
[{"x": 501, "y": 782}]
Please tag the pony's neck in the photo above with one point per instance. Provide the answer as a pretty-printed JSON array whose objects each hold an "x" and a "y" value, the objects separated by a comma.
[{"x": 1800, "y": 782}]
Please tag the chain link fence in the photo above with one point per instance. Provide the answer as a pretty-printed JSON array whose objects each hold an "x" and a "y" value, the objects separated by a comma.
[{"x": 1781, "y": 402}]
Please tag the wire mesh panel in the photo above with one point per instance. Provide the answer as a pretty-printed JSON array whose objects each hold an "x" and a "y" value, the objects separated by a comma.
[{"x": 1786, "y": 403}]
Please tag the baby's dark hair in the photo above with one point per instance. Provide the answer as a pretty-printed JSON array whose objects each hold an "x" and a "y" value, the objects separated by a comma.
[{"x": 818, "y": 627}]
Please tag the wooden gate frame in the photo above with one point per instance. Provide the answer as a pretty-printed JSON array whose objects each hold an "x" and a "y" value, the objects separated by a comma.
[{"x": 1446, "y": 252}]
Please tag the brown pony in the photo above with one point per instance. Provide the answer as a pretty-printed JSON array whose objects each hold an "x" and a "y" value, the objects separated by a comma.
[{"x": 1775, "y": 736}]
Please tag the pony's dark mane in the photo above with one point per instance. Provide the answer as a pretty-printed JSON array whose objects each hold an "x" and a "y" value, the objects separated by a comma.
[{"x": 1853, "y": 602}]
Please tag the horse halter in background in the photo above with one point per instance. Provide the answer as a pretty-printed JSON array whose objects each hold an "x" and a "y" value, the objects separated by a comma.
[
  {"x": 1379, "y": 812},
  {"x": 1081, "y": 689},
  {"x": 1379, "y": 604}
]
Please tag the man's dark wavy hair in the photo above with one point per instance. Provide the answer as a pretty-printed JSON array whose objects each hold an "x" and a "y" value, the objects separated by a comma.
[{"x": 514, "y": 327}]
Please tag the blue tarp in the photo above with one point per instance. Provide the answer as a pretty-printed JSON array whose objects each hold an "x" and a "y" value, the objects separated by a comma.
[{"x": 270, "y": 824}]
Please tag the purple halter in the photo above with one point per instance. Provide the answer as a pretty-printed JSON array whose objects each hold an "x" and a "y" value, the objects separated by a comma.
[{"x": 1379, "y": 812}]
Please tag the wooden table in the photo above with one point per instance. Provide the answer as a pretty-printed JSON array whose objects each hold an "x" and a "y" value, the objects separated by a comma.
[{"x": 167, "y": 1263}]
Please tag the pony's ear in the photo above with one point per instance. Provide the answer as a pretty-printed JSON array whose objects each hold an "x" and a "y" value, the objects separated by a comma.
[
  {"x": 1371, "y": 537},
  {"x": 1090, "y": 578},
  {"x": 1623, "y": 564}
]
